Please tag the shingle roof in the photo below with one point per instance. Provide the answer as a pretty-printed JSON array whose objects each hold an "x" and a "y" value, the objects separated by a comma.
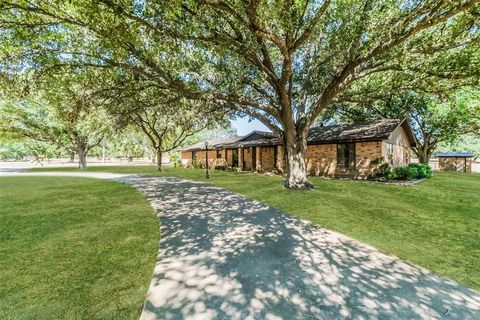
[
  {"x": 212, "y": 143},
  {"x": 359, "y": 131},
  {"x": 354, "y": 132},
  {"x": 232, "y": 140},
  {"x": 251, "y": 143},
  {"x": 455, "y": 154}
]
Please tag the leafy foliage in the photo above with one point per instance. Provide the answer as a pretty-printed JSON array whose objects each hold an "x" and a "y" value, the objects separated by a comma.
[
  {"x": 413, "y": 171},
  {"x": 61, "y": 109},
  {"x": 283, "y": 63}
]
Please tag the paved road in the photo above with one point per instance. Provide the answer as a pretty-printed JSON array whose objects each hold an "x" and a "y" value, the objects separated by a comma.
[{"x": 223, "y": 256}]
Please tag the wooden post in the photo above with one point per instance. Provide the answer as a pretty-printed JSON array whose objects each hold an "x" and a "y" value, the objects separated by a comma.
[
  {"x": 240, "y": 159},
  {"x": 258, "y": 163}
]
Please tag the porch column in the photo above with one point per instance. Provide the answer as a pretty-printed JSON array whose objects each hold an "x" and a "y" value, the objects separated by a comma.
[
  {"x": 240, "y": 159},
  {"x": 258, "y": 157}
]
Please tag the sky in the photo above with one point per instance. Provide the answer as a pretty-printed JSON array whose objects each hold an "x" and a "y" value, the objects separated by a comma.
[{"x": 244, "y": 126}]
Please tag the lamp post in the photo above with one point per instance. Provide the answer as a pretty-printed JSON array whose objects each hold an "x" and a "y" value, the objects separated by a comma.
[{"x": 207, "y": 176}]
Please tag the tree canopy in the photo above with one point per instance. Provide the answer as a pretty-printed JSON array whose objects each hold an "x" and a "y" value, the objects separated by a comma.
[
  {"x": 61, "y": 108},
  {"x": 282, "y": 62}
]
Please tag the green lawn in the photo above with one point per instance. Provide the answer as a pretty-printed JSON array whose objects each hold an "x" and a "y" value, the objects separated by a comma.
[
  {"x": 74, "y": 248},
  {"x": 435, "y": 224}
]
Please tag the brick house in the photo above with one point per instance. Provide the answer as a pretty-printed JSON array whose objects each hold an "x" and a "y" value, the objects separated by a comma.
[{"x": 345, "y": 150}]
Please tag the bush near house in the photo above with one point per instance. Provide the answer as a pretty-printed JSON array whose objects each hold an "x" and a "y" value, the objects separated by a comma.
[{"x": 412, "y": 171}]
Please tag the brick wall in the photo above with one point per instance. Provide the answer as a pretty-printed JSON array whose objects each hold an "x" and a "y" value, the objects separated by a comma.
[
  {"x": 365, "y": 154},
  {"x": 247, "y": 163},
  {"x": 186, "y": 157},
  {"x": 267, "y": 158},
  {"x": 200, "y": 158},
  {"x": 321, "y": 160}
]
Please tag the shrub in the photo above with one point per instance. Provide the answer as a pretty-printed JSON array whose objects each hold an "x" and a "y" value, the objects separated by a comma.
[
  {"x": 384, "y": 170},
  {"x": 423, "y": 170},
  {"x": 413, "y": 171},
  {"x": 175, "y": 160},
  {"x": 198, "y": 164}
]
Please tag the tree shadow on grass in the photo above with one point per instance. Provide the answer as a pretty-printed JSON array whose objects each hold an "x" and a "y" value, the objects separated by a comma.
[{"x": 223, "y": 256}]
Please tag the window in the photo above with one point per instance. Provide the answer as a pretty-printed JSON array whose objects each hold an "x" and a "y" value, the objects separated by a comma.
[
  {"x": 390, "y": 153},
  {"x": 219, "y": 154},
  {"x": 346, "y": 155}
]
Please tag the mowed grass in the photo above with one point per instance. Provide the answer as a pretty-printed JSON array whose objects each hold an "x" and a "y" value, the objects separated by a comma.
[
  {"x": 74, "y": 248},
  {"x": 435, "y": 224}
]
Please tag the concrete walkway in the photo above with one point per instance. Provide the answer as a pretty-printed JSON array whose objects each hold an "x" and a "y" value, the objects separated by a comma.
[{"x": 223, "y": 256}]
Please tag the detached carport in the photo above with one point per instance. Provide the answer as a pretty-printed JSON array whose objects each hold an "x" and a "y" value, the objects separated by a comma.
[{"x": 455, "y": 161}]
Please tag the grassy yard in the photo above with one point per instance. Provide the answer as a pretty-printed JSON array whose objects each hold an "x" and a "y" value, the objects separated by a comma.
[
  {"x": 74, "y": 248},
  {"x": 434, "y": 224}
]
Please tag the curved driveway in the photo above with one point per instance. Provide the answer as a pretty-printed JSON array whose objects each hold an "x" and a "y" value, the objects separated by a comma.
[{"x": 223, "y": 256}]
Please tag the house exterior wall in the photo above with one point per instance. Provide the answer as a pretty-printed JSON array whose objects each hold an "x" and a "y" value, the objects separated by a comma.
[
  {"x": 228, "y": 156},
  {"x": 396, "y": 150},
  {"x": 187, "y": 160},
  {"x": 267, "y": 158},
  {"x": 321, "y": 160},
  {"x": 458, "y": 164},
  {"x": 245, "y": 159},
  {"x": 186, "y": 157},
  {"x": 366, "y": 156}
]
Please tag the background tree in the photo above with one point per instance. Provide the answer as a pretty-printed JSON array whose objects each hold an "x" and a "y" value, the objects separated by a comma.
[
  {"x": 282, "y": 63},
  {"x": 165, "y": 118},
  {"x": 226, "y": 131},
  {"x": 467, "y": 143},
  {"x": 62, "y": 109}
]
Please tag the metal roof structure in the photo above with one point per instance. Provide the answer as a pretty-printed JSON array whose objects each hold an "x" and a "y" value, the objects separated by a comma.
[{"x": 455, "y": 155}]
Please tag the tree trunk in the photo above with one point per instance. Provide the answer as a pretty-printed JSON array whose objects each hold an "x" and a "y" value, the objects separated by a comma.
[
  {"x": 423, "y": 158},
  {"x": 103, "y": 152},
  {"x": 159, "y": 160},
  {"x": 295, "y": 147},
  {"x": 72, "y": 156},
  {"x": 423, "y": 154},
  {"x": 82, "y": 156}
]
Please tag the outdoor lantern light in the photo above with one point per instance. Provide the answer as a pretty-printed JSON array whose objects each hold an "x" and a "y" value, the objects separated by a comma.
[{"x": 207, "y": 176}]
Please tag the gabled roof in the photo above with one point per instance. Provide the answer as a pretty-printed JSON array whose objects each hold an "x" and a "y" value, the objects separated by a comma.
[
  {"x": 253, "y": 136},
  {"x": 257, "y": 135},
  {"x": 359, "y": 131},
  {"x": 455, "y": 154},
  {"x": 253, "y": 143},
  {"x": 212, "y": 144}
]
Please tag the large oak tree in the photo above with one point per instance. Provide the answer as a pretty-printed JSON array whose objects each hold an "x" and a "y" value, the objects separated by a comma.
[
  {"x": 60, "y": 109},
  {"x": 282, "y": 62}
]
